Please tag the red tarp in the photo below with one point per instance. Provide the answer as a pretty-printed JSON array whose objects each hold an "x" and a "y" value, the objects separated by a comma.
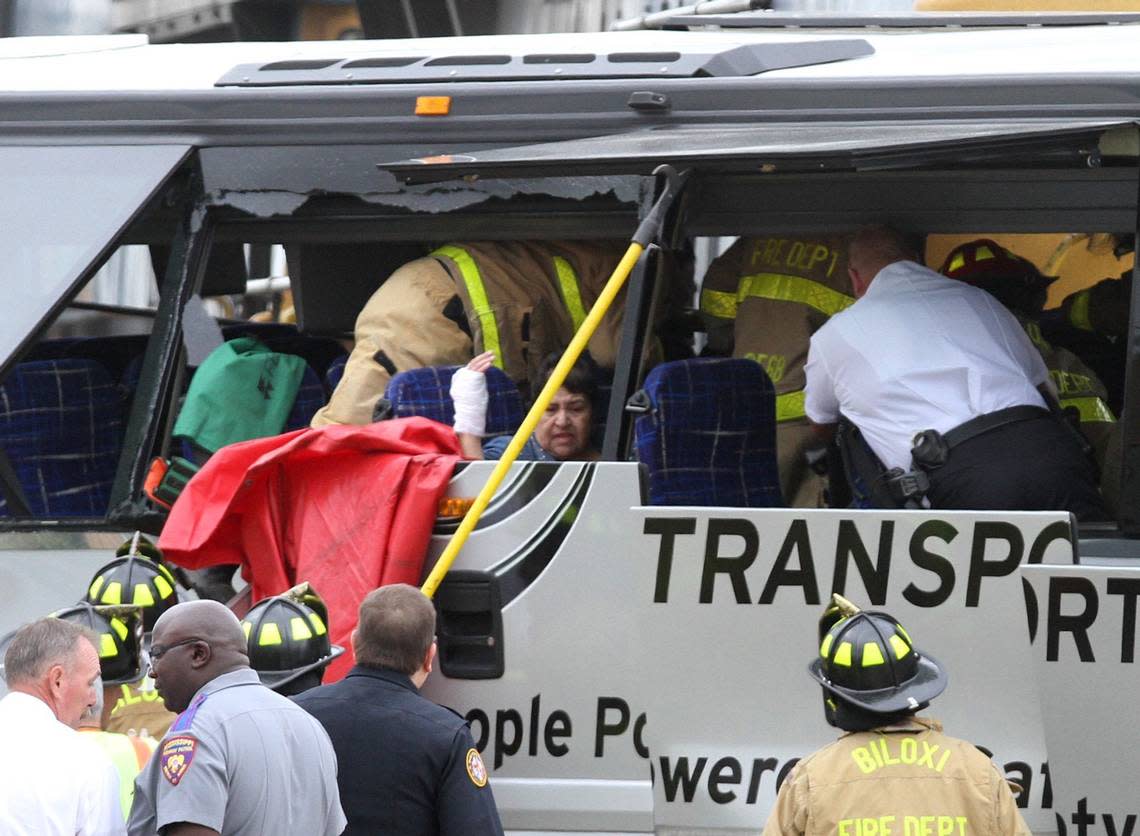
[{"x": 346, "y": 508}]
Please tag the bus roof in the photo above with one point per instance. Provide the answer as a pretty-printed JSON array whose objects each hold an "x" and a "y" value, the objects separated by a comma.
[{"x": 128, "y": 63}]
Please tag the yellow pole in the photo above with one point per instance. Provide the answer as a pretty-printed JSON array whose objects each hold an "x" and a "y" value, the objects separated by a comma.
[
  {"x": 573, "y": 352},
  {"x": 647, "y": 230}
]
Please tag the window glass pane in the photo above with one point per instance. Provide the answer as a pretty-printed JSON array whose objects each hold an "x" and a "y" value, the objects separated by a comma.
[{"x": 62, "y": 208}]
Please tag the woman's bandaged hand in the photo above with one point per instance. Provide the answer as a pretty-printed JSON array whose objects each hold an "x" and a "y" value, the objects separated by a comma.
[{"x": 469, "y": 394}]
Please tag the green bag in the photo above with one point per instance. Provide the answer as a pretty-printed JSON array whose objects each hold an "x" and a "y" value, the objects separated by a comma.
[{"x": 242, "y": 391}]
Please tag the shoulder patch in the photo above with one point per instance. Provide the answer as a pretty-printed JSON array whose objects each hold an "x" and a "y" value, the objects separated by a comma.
[
  {"x": 476, "y": 770},
  {"x": 175, "y": 757}
]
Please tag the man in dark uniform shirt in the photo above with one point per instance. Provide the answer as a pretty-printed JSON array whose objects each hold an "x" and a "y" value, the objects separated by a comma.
[{"x": 407, "y": 765}]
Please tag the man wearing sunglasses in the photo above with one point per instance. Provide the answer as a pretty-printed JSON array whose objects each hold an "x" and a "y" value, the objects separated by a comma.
[{"x": 240, "y": 759}]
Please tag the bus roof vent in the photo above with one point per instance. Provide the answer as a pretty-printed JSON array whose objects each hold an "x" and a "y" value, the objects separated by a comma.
[{"x": 747, "y": 60}]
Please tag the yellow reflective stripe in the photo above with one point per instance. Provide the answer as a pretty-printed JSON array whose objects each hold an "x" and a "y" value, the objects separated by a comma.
[
  {"x": 299, "y": 629},
  {"x": 785, "y": 288},
  {"x": 473, "y": 281},
  {"x": 904, "y": 634},
  {"x": 119, "y": 627},
  {"x": 246, "y": 627},
  {"x": 872, "y": 655},
  {"x": 96, "y": 585},
  {"x": 107, "y": 647},
  {"x": 901, "y": 647},
  {"x": 165, "y": 590},
  {"x": 718, "y": 303},
  {"x": 113, "y": 594},
  {"x": 843, "y": 655},
  {"x": 1091, "y": 408},
  {"x": 1035, "y": 336},
  {"x": 318, "y": 625},
  {"x": 1079, "y": 311},
  {"x": 143, "y": 596},
  {"x": 571, "y": 292},
  {"x": 270, "y": 634},
  {"x": 790, "y": 405},
  {"x": 825, "y": 646}
]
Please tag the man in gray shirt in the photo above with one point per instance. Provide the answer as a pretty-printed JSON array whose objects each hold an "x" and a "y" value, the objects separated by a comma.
[{"x": 240, "y": 759}]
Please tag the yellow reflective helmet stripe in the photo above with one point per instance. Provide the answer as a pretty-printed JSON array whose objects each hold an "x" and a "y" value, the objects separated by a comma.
[
  {"x": 143, "y": 596},
  {"x": 246, "y": 628},
  {"x": 718, "y": 303},
  {"x": 790, "y": 406},
  {"x": 1091, "y": 408},
  {"x": 843, "y": 655},
  {"x": 96, "y": 585},
  {"x": 872, "y": 655},
  {"x": 784, "y": 288},
  {"x": 107, "y": 647},
  {"x": 162, "y": 570},
  {"x": 825, "y": 646},
  {"x": 119, "y": 627},
  {"x": 904, "y": 634},
  {"x": 900, "y": 646},
  {"x": 983, "y": 253},
  {"x": 1079, "y": 316},
  {"x": 957, "y": 262},
  {"x": 299, "y": 629},
  {"x": 571, "y": 291},
  {"x": 269, "y": 634},
  {"x": 318, "y": 625},
  {"x": 473, "y": 281},
  {"x": 165, "y": 590},
  {"x": 113, "y": 594}
]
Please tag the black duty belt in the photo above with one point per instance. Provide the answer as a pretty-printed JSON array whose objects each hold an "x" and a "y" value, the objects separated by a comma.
[
  {"x": 991, "y": 421},
  {"x": 930, "y": 448}
]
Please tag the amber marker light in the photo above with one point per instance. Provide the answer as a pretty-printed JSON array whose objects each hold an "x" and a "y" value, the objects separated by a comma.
[
  {"x": 433, "y": 105},
  {"x": 455, "y": 506}
]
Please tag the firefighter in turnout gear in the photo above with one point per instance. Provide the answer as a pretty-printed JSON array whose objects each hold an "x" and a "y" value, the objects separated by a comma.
[
  {"x": 1019, "y": 285},
  {"x": 891, "y": 771},
  {"x": 138, "y": 578},
  {"x": 289, "y": 640},
  {"x": 763, "y": 299},
  {"x": 522, "y": 300}
]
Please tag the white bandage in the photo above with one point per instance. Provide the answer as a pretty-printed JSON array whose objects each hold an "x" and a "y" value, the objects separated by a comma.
[{"x": 469, "y": 394}]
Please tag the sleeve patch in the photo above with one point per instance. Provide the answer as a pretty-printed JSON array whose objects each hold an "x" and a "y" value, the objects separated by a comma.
[
  {"x": 175, "y": 758},
  {"x": 476, "y": 770}
]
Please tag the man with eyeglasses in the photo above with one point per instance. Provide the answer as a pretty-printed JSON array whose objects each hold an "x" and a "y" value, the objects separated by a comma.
[{"x": 240, "y": 759}]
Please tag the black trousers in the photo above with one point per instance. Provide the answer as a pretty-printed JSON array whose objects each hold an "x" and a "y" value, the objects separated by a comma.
[{"x": 1033, "y": 465}]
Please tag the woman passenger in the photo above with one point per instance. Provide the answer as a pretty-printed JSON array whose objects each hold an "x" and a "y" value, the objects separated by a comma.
[{"x": 564, "y": 430}]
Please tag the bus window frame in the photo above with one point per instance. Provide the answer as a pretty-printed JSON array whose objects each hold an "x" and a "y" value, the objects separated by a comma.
[{"x": 1129, "y": 509}]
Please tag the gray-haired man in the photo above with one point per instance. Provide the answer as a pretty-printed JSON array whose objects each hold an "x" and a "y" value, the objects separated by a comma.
[{"x": 52, "y": 780}]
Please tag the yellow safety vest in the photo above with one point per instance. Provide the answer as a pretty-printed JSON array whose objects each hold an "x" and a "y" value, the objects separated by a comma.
[
  {"x": 568, "y": 284},
  {"x": 129, "y": 755},
  {"x": 779, "y": 287}
]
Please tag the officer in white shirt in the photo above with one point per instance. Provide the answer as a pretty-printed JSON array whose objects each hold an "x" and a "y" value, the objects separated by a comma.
[
  {"x": 52, "y": 780},
  {"x": 919, "y": 352}
]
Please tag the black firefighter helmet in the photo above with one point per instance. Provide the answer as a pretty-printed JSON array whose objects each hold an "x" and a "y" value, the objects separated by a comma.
[
  {"x": 138, "y": 578},
  {"x": 868, "y": 661},
  {"x": 118, "y": 638},
  {"x": 287, "y": 637}
]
